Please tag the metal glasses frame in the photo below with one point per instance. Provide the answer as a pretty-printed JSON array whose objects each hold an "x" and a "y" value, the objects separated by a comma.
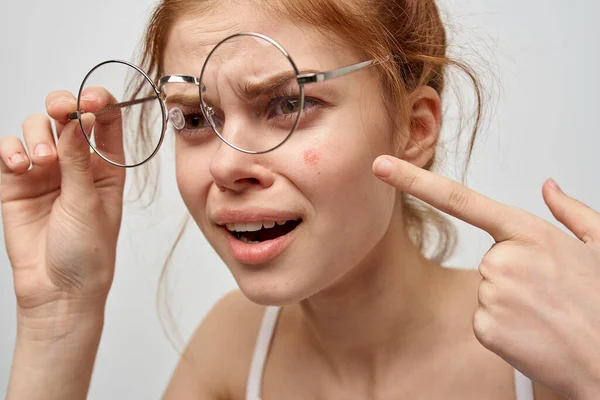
[{"x": 302, "y": 79}]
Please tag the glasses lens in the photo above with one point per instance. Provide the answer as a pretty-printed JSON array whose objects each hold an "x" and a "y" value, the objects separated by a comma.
[
  {"x": 127, "y": 99},
  {"x": 250, "y": 94}
]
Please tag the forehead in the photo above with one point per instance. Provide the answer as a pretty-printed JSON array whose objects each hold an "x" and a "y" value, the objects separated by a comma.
[{"x": 193, "y": 37}]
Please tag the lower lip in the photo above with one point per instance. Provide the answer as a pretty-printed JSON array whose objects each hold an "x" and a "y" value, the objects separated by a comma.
[{"x": 258, "y": 253}]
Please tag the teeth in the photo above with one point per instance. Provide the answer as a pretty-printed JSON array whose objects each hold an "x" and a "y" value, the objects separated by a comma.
[{"x": 252, "y": 226}]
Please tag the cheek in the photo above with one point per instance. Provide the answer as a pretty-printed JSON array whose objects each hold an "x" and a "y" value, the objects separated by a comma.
[
  {"x": 341, "y": 177},
  {"x": 193, "y": 180},
  {"x": 311, "y": 157}
]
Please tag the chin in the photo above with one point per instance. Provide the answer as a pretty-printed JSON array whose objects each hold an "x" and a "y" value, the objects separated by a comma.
[{"x": 267, "y": 289}]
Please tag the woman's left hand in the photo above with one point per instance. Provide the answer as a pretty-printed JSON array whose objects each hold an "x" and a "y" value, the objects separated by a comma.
[{"x": 539, "y": 300}]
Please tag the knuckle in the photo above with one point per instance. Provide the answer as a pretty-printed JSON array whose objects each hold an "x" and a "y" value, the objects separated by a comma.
[
  {"x": 409, "y": 181},
  {"x": 483, "y": 327},
  {"x": 495, "y": 261},
  {"x": 485, "y": 271},
  {"x": 487, "y": 294},
  {"x": 527, "y": 229},
  {"x": 494, "y": 256},
  {"x": 458, "y": 200},
  {"x": 79, "y": 163}
]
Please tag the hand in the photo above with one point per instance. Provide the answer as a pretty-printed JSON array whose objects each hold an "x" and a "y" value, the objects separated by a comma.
[
  {"x": 539, "y": 299},
  {"x": 61, "y": 217}
]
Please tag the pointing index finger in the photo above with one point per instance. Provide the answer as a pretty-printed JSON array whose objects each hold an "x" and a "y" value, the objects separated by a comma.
[{"x": 453, "y": 198}]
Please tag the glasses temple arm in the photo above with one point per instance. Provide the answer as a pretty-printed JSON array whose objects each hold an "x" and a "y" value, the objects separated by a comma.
[
  {"x": 161, "y": 82},
  {"x": 336, "y": 73},
  {"x": 111, "y": 107}
]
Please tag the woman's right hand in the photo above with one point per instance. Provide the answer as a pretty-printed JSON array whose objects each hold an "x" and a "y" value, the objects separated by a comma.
[{"x": 62, "y": 216}]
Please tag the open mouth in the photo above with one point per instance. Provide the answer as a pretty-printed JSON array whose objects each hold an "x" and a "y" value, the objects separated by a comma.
[{"x": 258, "y": 232}]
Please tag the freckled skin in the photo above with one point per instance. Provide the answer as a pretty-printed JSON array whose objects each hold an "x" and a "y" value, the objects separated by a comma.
[{"x": 311, "y": 157}]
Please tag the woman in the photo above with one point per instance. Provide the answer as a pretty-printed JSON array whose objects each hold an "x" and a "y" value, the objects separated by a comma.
[{"x": 355, "y": 310}]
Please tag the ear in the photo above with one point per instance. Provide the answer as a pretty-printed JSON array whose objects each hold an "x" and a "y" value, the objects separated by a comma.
[{"x": 425, "y": 121}]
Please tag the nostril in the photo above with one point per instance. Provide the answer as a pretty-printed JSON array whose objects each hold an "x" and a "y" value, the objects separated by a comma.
[
  {"x": 238, "y": 184},
  {"x": 251, "y": 181},
  {"x": 238, "y": 175}
]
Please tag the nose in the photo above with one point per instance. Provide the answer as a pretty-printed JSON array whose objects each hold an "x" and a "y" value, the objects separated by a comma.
[
  {"x": 235, "y": 171},
  {"x": 231, "y": 169}
]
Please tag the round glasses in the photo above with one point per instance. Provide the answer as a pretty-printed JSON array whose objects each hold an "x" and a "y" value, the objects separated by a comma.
[{"x": 250, "y": 93}]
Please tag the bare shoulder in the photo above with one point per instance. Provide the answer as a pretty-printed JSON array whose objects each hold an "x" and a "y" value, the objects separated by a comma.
[{"x": 216, "y": 361}]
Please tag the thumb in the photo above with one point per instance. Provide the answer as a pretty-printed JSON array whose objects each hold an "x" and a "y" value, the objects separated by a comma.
[
  {"x": 74, "y": 156},
  {"x": 580, "y": 219}
]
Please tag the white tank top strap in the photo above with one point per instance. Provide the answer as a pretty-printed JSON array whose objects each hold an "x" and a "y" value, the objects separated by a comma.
[
  {"x": 259, "y": 358},
  {"x": 523, "y": 386}
]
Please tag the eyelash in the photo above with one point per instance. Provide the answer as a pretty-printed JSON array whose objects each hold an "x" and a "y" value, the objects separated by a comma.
[{"x": 199, "y": 133}]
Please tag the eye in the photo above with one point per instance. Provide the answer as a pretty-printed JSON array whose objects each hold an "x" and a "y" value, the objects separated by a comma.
[
  {"x": 195, "y": 121},
  {"x": 288, "y": 106},
  {"x": 195, "y": 125}
]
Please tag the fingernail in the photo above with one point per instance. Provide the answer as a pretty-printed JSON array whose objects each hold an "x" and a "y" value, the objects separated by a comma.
[
  {"x": 554, "y": 185},
  {"x": 91, "y": 97},
  {"x": 42, "y": 150},
  {"x": 383, "y": 168},
  {"x": 17, "y": 158}
]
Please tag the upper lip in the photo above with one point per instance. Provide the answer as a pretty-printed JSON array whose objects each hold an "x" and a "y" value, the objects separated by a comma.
[{"x": 243, "y": 215}]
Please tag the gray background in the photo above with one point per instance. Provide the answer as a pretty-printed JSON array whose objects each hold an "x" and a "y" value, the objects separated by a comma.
[{"x": 539, "y": 62}]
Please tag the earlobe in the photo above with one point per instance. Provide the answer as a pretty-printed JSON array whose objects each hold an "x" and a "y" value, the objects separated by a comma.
[{"x": 425, "y": 124}]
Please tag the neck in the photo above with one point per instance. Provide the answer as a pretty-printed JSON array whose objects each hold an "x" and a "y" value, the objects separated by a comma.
[{"x": 378, "y": 309}]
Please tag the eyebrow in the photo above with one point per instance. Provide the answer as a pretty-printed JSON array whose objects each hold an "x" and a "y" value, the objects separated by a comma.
[
  {"x": 252, "y": 90},
  {"x": 248, "y": 89}
]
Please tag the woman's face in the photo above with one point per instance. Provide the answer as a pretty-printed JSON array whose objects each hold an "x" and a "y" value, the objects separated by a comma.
[{"x": 321, "y": 176}]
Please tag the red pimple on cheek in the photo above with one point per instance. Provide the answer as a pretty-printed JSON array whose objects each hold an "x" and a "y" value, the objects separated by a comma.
[{"x": 311, "y": 157}]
